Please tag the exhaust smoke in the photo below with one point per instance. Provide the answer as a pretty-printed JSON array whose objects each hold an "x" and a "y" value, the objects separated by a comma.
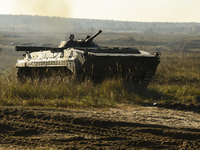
[{"x": 57, "y": 8}]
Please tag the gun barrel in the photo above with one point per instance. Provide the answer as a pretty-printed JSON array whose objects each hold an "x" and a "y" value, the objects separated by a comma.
[
  {"x": 35, "y": 48},
  {"x": 93, "y": 36},
  {"x": 30, "y": 48}
]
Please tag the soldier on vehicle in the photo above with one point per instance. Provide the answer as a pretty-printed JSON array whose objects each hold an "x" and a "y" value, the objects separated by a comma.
[{"x": 71, "y": 42}]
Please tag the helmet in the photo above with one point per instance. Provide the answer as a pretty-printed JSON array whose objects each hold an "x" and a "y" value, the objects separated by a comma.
[{"x": 71, "y": 36}]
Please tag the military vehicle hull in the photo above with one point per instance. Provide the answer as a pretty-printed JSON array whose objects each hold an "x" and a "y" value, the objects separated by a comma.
[
  {"x": 84, "y": 59},
  {"x": 95, "y": 64}
]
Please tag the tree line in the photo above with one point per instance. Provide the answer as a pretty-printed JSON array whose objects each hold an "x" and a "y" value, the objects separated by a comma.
[{"x": 57, "y": 24}]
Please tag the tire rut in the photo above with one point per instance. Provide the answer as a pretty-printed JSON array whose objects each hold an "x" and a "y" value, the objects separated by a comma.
[{"x": 31, "y": 128}]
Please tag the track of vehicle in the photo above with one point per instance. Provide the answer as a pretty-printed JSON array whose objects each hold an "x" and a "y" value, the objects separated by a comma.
[{"x": 23, "y": 128}]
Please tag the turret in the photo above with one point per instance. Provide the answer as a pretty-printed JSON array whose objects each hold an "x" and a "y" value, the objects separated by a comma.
[{"x": 88, "y": 39}]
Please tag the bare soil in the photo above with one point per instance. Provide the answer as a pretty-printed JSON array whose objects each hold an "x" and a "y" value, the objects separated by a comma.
[{"x": 121, "y": 128}]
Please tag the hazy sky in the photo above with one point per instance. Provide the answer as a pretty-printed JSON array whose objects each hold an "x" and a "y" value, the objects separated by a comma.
[{"x": 126, "y": 10}]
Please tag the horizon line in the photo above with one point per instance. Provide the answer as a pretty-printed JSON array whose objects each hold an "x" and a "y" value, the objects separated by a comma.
[{"x": 98, "y": 19}]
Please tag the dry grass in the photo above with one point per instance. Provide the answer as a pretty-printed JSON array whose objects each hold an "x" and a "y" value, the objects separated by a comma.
[
  {"x": 61, "y": 94},
  {"x": 177, "y": 79}
]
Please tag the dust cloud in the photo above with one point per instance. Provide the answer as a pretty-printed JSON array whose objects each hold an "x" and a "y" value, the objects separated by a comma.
[{"x": 57, "y": 8}]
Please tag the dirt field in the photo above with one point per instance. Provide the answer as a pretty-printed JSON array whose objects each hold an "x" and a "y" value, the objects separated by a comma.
[{"x": 127, "y": 128}]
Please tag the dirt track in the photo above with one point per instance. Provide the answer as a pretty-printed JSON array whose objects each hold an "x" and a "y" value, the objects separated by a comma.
[{"x": 139, "y": 128}]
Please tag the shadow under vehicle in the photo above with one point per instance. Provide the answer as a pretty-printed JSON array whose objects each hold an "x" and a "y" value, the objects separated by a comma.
[{"x": 85, "y": 59}]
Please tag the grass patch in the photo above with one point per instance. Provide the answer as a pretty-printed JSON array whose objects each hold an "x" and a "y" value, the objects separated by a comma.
[
  {"x": 176, "y": 80},
  {"x": 61, "y": 94}
]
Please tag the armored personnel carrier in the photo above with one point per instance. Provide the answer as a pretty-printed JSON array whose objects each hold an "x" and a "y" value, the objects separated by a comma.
[{"x": 85, "y": 59}]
